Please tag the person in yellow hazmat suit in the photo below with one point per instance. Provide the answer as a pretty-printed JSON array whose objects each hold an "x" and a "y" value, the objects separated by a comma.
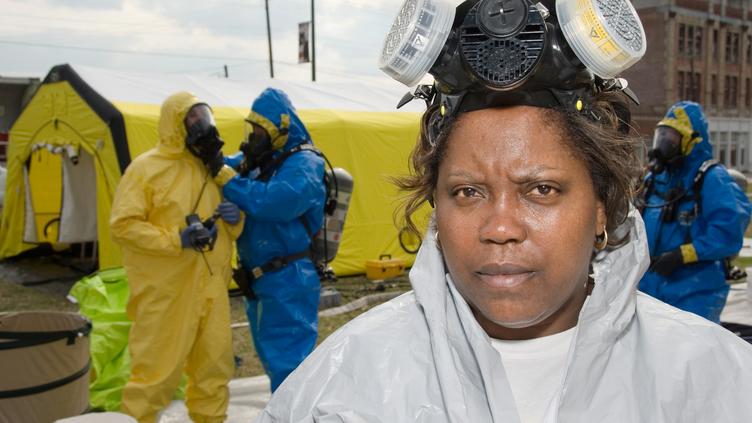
[{"x": 176, "y": 233}]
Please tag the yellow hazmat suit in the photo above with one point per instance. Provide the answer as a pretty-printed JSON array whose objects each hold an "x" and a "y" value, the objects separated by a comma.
[{"x": 178, "y": 299}]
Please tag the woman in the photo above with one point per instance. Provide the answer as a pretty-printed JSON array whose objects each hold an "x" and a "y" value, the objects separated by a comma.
[
  {"x": 516, "y": 238},
  {"x": 524, "y": 306}
]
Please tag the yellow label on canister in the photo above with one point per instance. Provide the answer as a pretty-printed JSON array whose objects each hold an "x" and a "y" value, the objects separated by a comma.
[{"x": 596, "y": 32}]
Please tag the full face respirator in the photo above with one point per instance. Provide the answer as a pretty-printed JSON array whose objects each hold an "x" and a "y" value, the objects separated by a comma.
[
  {"x": 666, "y": 152},
  {"x": 491, "y": 53},
  {"x": 202, "y": 138}
]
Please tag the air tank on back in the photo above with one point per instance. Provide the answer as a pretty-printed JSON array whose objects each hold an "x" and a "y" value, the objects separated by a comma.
[
  {"x": 327, "y": 240},
  {"x": 739, "y": 178}
]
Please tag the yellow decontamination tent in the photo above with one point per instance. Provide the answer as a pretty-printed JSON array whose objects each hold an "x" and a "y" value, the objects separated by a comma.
[{"x": 74, "y": 139}]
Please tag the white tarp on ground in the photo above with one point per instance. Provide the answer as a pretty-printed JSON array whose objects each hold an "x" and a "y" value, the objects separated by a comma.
[
  {"x": 248, "y": 396},
  {"x": 739, "y": 303}
]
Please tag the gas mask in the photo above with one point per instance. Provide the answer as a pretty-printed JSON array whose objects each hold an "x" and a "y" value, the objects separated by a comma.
[
  {"x": 666, "y": 151},
  {"x": 202, "y": 138},
  {"x": 257, "y": 149},
  {"x": 490, "y": 53}
]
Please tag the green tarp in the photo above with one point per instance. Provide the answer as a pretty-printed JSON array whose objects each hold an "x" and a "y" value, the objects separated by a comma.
[{"x": 102, "y": 298}]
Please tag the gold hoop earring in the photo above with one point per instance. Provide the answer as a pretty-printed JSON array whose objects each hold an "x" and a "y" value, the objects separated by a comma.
[
  {"x": 436, "y": 240},
  {"x": 603, "y": 242}
]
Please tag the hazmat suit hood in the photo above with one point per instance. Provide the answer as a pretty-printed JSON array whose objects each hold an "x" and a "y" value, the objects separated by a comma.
[
  {"x": 606, "y": 314},
  {"x": 632, "y": 358},
  {"x": 171, "y": 127},
  {"x": 273, "y": 111},
  {"x": 688, "y": 118}
]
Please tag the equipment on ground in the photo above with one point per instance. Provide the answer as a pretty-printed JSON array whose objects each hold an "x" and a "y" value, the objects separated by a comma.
[
  {"x": 385, "y": 267},
  {"x": 44, "y": 363}
]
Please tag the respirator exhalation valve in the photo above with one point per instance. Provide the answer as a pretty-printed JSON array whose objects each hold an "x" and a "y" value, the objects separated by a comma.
[{"x": 502, "y": 41}]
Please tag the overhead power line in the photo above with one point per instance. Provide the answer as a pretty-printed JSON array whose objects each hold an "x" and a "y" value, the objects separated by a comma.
[{"x": 116, "y": 51}]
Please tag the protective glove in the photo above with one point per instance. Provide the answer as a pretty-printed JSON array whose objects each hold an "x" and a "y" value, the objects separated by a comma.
[
  {"x": 198, "y": 237},
  {"x": 187, "y": 236},
  {"x": 229, "y": 212},
  {"x": 666, "y": 263}
]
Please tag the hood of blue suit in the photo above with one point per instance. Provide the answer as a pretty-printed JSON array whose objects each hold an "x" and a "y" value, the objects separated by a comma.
[
  {"x": 273, "y": 111},
  {"x": 689, "y": 120}
]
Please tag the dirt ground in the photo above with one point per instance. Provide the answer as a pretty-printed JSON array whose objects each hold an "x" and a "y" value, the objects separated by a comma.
[{"x": 43, "y": 282}]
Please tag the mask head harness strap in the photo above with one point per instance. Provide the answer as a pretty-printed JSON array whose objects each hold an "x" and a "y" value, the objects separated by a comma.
[{"x": 278, "y": 135}]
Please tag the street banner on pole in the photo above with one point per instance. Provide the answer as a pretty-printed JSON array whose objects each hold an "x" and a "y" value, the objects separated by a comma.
[{"x": 304, "y": 34}]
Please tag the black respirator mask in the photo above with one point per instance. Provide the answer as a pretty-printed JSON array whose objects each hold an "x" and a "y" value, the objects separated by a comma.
[
  {"x": 202, "y": 138},
  {"x": 491, "y": 53},
  {"x": 257, "y": 149},
  {"x": 666, "y": 152}
]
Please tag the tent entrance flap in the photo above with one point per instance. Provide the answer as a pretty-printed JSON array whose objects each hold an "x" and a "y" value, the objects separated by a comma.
[
  {"x": 61, "y": 199},
  {"x": 42, "y": 175},
  {"x": 78, "y": 215}
]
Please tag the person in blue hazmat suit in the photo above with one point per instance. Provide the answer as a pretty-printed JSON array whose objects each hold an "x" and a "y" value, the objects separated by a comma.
[
  {"x": 693, "y": 222},
  {"x": 178, "y": 271},
  {"x": 282, "y": 192}
]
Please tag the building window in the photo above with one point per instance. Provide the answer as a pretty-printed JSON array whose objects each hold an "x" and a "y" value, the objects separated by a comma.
[
  {"x": 698, "y": 42},
  {"x": 722, "y": 153},
  {"x": 715, "y": 44},
  {"x": 749, "y": 49},
  {"x": 731, "y": 92},
  {"x": 732, "y": 47},
  {"x": 714, "y": 90},
  {"x": 690, "y": 40},
  {"x": 680, "y": 86},
  {"x": 747, "y": 93},
  {"x": 742, "y": 156},
  {"x": 696, "y": 90}
]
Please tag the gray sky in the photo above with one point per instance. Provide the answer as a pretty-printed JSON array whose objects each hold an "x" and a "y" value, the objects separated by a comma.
[{"x": 189, "y": 36}]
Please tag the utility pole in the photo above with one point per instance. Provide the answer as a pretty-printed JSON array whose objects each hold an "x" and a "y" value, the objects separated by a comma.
[
  {"x": 313, "y": 43},
  {"x": 269, "y": 38}
]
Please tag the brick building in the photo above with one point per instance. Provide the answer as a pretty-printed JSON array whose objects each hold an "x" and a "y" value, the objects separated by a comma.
[{"x": 699, "y": 50}]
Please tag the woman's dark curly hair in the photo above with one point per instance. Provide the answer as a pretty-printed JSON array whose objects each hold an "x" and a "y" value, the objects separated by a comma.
[{"x": 598, "y": 139}]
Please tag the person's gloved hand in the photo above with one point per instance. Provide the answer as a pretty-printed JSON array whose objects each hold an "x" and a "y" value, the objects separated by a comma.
[
  {"x": 229, "y": 212},
  {"x": 188, "y": 236},
  {"x": 666, "y": 263},
  {"x": 198, "y": 236}
]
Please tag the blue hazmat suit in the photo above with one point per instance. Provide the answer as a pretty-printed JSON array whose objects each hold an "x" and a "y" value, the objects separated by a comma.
[
  {"x": 284, "y": 316},
  {"x": 698, "y": 285}
]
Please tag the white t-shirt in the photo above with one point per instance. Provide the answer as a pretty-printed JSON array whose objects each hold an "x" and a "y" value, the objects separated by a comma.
[{"x": 535, "y": 368}]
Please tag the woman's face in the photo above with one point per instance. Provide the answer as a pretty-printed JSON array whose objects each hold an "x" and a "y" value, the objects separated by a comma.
[{"x": 517, "y": 217}]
